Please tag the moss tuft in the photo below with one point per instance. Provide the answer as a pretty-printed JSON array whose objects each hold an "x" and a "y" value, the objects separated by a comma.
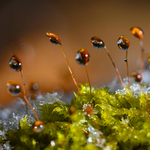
[{"x": 119, "y": 121}]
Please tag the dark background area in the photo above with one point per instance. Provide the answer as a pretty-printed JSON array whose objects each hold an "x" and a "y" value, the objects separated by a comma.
[{"x": 23, "y": 25}]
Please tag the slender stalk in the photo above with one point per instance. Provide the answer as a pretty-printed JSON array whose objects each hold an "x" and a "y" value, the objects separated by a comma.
[
  {"x": 22, "y": 77},
  {"x": 72, "y": 75},
  {"x": 127, "y": 67},
  {"x": 88, "y": 79},
  {"x": 114, "y": 66},
  {"x": 142, "y": 62},
  {"x": 26, "y": 100},
  {"x": 85, "y": 131},
  {"x": 24, "y": 91}
]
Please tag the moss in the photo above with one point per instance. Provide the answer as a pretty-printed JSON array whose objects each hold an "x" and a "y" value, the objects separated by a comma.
[{"x": 119, "y": 121}]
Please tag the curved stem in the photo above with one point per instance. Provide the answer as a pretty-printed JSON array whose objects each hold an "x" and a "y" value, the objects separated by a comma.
[
  {"x": 114, "y": 66},
  {"x": 142, "y": 62},
  {"x": 24, "y": 91},
  {"x": 88, "y": 79},
  {"x": 26, "y": 100},
  {"x": 127, "y": 67},
  {"x": 72, "y": 75},
  {"x": 85, "y": 131}
]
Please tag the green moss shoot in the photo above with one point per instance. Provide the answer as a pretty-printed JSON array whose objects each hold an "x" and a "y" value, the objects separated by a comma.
[{"x": 113, "y": 121}]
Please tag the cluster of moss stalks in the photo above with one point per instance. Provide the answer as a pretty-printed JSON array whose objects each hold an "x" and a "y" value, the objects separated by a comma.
[{"x": 112, "y": 121}]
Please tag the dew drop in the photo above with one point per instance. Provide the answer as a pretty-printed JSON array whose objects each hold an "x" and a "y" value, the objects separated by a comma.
[
  {"x": 82, "y": 57},
  {"x": 125, "y": 59},
  {"x": 137, "y": 77},
  {"x": 13, "y": 88},
  {"x": 52, "y": 143},
  {"x": 97, "y": 42},
  {"x": 53, "y": 38},
  {"x": 137, "y": 32},
  {"x": 123, "y": 43},
  {"x": 38, "y": 126},
  {"x": 15, "y": 63}
]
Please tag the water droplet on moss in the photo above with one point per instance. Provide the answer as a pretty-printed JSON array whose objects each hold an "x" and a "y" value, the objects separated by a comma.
[
  {"x": 13, "y": 88},
  {"x": 137, "y": 32},
  {"x": 125, "y": 59},
  {"x": 82, "y": 57},
  {"x": 53, "y": 38},
  {"x": 38, "y": 126},
  {"x": 137, "y": 77},
  {"x": 15, "y": 63},
  {"x": 123, "y": 43},
  {"x": 52, "y": 143},
  {"x": 97, "y": 42}
]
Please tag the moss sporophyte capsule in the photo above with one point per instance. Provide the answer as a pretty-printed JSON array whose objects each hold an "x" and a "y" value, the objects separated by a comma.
[
  {"x": 97, "y": 42},
  {"x": 123, "y": 44},
  {"x": 53, "y": 38},
  {"x": 15, "y": 63},
  {"x": 137, "y": 32},
  {"x": 137, "y": 77},
  {"x": 38, "y": 126},
  {"x": 107, "y": 120},
  {"x": 82, "y": 57},
  {"x": 13, "y": 88}
]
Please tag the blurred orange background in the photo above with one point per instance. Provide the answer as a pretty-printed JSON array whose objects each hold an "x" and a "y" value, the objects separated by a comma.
[{"x": 22, "y": 30}]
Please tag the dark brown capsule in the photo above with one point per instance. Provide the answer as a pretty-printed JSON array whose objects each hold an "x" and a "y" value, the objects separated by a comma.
[
  {"x": 137, "y": 32},
  {"x": 97, "y": 42},
  {"x": 53, "y": 38},
  {"x": 123, "y": 43},
  {"x": 137, "y": 77},
  {"x": 13, "y": 88},
  {"x": 82, "y": 57},
  {"x": 15, "y": 63},
  {"x": 38, "y": 126}
]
